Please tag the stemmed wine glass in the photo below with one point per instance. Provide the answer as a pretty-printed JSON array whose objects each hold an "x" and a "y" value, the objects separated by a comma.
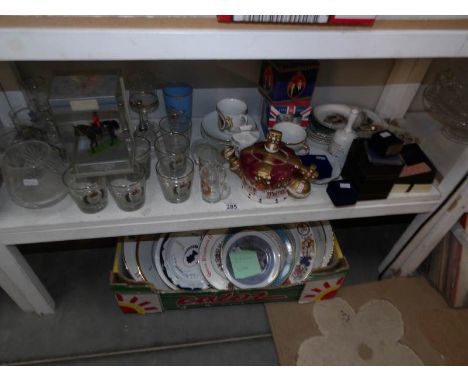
[{"x": 143, "y": 100}]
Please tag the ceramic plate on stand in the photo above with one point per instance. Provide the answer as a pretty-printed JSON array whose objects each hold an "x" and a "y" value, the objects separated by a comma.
[
  {"x": 267, "y": 248},
  {"x": 210, "y": 258},
  {"x": 146, "y": 262},
  {"x": 179, "y": 252},
  {"x": 209, "y": 127}
]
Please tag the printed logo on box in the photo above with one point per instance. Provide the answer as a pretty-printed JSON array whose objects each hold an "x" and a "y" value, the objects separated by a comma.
[
  {"x": 263, "y": 296},
  {"x": 320, "y": 289},
  {"x": 138, "y": 303}
]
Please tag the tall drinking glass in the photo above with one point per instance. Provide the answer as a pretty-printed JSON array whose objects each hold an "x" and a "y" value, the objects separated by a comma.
[{"x": 178, "y": 99}]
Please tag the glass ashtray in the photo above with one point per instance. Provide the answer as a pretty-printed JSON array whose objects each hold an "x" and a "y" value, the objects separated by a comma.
[{"x": 446, "y": 99}]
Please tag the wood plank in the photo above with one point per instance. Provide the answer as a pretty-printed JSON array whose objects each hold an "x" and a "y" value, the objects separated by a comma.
[{"x": 208, "y": 22}]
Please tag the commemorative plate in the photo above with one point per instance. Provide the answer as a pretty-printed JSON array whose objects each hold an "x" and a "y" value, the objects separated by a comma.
[
  {"x": 146, "y": 263},
  {"x": 288, "y": 257},
  {"x": 179, "y": 254},
  {"x": 260, "y": 249},
  {"x": 309, "y": 243},
  {"x": 210, "y": 258},
  {"x": 130, "y": 258}
]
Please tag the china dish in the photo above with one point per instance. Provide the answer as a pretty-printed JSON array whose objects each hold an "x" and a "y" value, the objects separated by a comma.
[
  {"x": 210, "y": 259},
  {"x": 315, "y": 249},
  {"x": 289, "y": 257},
  {"x": 146, "y": 263},
  {"x": 179, "y": 257},
  {"x": 130, "y": 258},
  {"x": 210, "y": 128},
  {"x": 265, "y": 249}
]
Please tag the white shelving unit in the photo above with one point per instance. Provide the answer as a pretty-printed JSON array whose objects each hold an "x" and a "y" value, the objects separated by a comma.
[
  {"x": 64, "y": 221},
  {"x": 203, "y": 39}
]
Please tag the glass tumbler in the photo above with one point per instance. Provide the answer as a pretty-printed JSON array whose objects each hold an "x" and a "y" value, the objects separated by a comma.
[
  {"x": 30, "y": 124},
  {"x": 213, "y": 183},
  {"x": 89, "y": 194},
  {"x": 175, "y": 145},
  {"x": 142, "y": 152},
  {"x": 128, "y": 190},
  {"x": 32, "y": 172},
  {"x": 178, "y": 99},
  {"x": 37, "y": 90},
  {"x": 176, "y": 181},
  {"x": 176, "y": 123}
]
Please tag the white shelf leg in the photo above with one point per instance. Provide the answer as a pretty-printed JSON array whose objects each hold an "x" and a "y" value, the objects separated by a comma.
[
  {"x": 21, "y": 283},
  {"x": 430, "y": 234},
  {"x": 401, "y": 87},
  {"x": 448, "y": 184}
]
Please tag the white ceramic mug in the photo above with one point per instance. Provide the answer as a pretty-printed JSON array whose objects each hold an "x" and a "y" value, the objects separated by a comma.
[
  {"x": 232, "y": 114},
  {"x": 294, "y": 136}
]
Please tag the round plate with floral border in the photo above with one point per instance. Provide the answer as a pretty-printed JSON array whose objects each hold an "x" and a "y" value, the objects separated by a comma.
[{"x": 309, "y": 239}]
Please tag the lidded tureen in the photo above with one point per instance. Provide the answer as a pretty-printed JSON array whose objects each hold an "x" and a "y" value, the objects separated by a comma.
[{"x": 270, "y": 170}]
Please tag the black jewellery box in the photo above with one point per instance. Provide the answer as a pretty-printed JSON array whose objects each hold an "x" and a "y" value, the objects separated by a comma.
[
  {"x": 385, "y": 143},
  {"x": 418, "y": 172},
  {"x": 372, "y": 174}
]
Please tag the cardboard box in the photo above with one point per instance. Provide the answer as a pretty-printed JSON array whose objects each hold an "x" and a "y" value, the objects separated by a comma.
[
  {"x": 288, "y": 80},
  {"x": 143, "y": 298},
  {"x": 294, "y": 111}
]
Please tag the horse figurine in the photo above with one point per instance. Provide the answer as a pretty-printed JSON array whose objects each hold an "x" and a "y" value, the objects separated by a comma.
[
  {"x": 111, "y": 126},
  {"x": 90, "y": 131}
]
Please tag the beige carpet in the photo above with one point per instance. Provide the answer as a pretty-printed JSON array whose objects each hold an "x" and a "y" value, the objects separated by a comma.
[{"x": 401, "y": 321}]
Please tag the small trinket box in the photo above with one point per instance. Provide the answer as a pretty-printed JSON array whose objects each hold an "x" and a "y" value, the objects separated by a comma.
[
  {"x": 372, "y": 174},
  {"x": 342, "y": 193},
  {"x": 324, "y": 167},
  {"x": 417, "y": 166},
  {"x": 385, "y": 143}
]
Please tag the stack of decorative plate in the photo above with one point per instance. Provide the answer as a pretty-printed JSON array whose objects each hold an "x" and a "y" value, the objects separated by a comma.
[
  {"x": 327, "y": 118},
  {"x": 247, "y": 258}
]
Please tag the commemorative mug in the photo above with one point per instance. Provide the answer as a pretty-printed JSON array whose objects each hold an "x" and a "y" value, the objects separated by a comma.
[{"x": 232, "y": 114}]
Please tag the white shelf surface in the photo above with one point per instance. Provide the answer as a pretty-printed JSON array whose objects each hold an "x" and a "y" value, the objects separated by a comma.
[
  {"x": 158, "y": 39},
  {"x": 64, "y": 221}
]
